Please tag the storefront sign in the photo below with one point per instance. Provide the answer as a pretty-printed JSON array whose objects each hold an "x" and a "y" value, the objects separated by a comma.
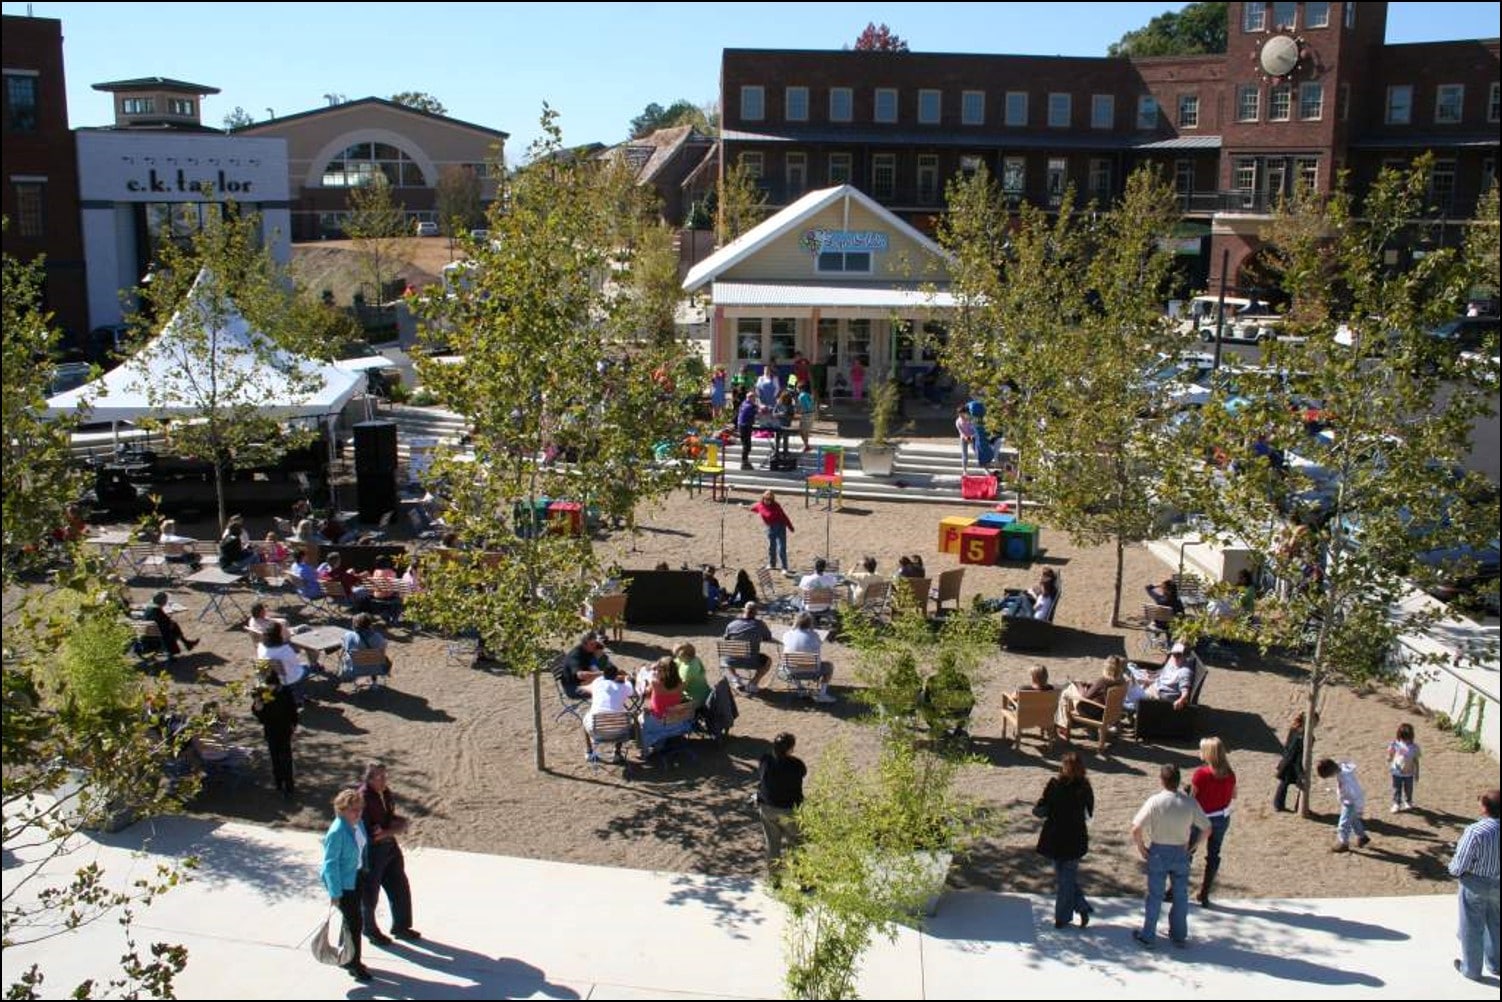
[
  {"x": 843, "y": 241},
  {"x": 179, "y": 181}
]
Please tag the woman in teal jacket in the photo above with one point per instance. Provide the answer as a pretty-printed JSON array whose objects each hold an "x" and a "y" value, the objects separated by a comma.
[{"x": 343, "y": 858}]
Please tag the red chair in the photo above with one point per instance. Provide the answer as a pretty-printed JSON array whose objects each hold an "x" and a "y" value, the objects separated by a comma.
[{"x": 829, "y": 482}]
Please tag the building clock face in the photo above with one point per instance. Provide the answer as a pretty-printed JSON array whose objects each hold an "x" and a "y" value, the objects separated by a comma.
[{"x": 1279, "y": 55}]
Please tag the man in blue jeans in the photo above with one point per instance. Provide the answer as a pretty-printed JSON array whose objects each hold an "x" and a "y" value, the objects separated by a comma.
[
  {"x": 1162, "y": 831},
  {"x": 1476, "y": 867}
]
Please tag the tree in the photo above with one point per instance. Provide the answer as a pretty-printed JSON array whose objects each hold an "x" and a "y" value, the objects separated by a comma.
[
  {"x": 238, "y": 119},
  {"x": 208, "y": 366},
  {"x": 1341, "y": 465},
  {"x": 879, "y": 38},
  {"x": 458, "y": 198},
  {"x": 740, "y": 203},
  {"x": 1198, "y": 29},
  {"x": 680, "y": 112},
  {"x": 570, "y": 391},
  {"x": 377, "y": 224},
  {"x": 421, "y": 101}
]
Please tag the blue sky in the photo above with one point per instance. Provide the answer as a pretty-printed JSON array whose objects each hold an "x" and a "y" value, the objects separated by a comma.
[{"x": 598, "y": 64}]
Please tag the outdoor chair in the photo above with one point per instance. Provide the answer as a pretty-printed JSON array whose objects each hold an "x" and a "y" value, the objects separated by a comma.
[
  {"x": 947, "y": 590},
  {"x": 1157, "y": 631},
  {"x": 1157, "y": 718},
  {"x": 608, "y": 613},
  {"x": 1031, "y": 634},
  {"x": 1024, "y": 709},
  {"x": 366, "y": 663},
  {"x": 1110, "y": 716},
  {"x": 568, "y": 705},
  {"x": 876, "y": 598},
  {"x": 736, "y": 656},
  {"x": 802, "y": 670},
  {"x": 912, "y": 593},
  {"x": 662, "y": 737},
  {"x": 148, "y": 643},
  {"x": 709, "y": 467},
  {"x": 768, "y": 600},
  {"x": 608, "y": 728},
  {"x": 828, "y": 483},
  {"x": 818, "y": 603}
]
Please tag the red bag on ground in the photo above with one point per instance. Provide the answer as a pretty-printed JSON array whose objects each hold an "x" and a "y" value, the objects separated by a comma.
[{"x": 977, "y": 487}]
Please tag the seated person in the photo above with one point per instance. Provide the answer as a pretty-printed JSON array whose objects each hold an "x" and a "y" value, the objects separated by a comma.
[
  {"x": 1112, "y": 674},
  {"x": 663, "y": 688},
  {"x": 307, "y": 532},
  {"x": 802, "y": 639},
  {"x": 840, "y": 387},
  {"x": 714, "y": 595},
  {"x": 747, "y": 628},
  {"x": 259, "y": 622},
  {"x": 582, "y": 665},
  {"x": 745, "y": 590},
  {"x": 1165, "y": 594},
  {"x": 381, "y": 591},
  {"x": 1036, "y": 602},
  {"x": 337, "y": 532},
  {"x": 173, "y": 639},
  {"x": 169, "y": 537},
  {"x": 820, "y": 578},
  {"x": 274, "y": 551},
  {"x": 907, "y": 569},
  {"x": 1038, "y": 681},
  {"x": 308, "y": 585},
  {"x": 235, "y": 554},
  {"x": 861, "y": 579},
  {"x": 290, "y": 670},
  {"x": 362, "y": 636},
  {"x": 607, "y": 693},
  {"x": 333, "y": 569},
  {"x": 1174, "y": 681},
  {"x": 691, "y": 670}
]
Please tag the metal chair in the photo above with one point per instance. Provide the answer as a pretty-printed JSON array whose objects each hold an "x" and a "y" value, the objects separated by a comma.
[
  {"x": 607, "y": 728},
  {"x": 802, "y": 670},
  {"x": 818, "y": 603},
  {"x": 1157, "y": 627},
  {"x": 569, "y": 706}
]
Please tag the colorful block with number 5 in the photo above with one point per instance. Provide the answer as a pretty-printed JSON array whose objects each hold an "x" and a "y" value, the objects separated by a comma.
[
  {"x": 949, "y": 532},
  {"x": 980, "y": 545}
]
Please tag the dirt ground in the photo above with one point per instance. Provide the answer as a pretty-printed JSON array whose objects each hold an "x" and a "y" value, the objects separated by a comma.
[{"x": 459, "y": 742}]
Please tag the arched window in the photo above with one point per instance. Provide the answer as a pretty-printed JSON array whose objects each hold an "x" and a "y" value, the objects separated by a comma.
[{"x": 357, "y": 165}]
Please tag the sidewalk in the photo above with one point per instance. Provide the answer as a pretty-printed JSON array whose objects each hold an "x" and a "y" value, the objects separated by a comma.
[{"x": 499, "y": 927}]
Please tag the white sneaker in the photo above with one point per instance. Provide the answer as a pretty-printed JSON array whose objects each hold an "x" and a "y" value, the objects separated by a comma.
[
  {"x": 1395, "y": 808},
  {"x": 824, "y": 697}
]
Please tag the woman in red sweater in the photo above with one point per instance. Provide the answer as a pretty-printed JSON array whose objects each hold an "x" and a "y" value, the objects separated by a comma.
[
  {"x": 1214, "y": 786},
  {"x": 778, "y": 525}
]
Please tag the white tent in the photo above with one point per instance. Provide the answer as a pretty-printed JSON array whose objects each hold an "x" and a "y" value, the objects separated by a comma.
[{"x": 122, "y": 395}]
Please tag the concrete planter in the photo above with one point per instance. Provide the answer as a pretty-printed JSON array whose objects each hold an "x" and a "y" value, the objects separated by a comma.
[{"x": 877, "y": 460}]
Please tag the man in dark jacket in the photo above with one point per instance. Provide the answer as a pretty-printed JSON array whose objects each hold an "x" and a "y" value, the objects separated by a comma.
[{"x": 385, "y": 867}]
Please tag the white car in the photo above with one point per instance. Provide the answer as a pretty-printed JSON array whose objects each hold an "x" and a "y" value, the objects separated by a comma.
[{"x": 426, "y": 229}]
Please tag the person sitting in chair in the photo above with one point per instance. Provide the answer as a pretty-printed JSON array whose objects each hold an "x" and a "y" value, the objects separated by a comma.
[
  {"x": 333, "y": 569},
  {"x": 607, "y": 693},
  {"x": 362, "y": 636},
  {"x": 169, "y": 536},
  {"x": 746, "y": 627},
  {"x": 862, "y": 579},
  {"x": 820, "y": 578},
  {"x": 1036, "y": 602},
  {"x": 173, "y": 640},
  {"x": 235, "y": 554},
  {"x": 308, "y": 585},
  {"x": 582, "y": 665},
  {"x": 1038, "y": 680},
  {"x": 802, "y": 639},
  {"x": 273, "y": 647},
  {"x": 1112, "y": 674},
  {"x": 1174, "y": 681}
]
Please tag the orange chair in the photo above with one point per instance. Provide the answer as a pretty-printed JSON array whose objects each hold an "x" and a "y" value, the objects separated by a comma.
[{"x": 829, "y": 482}]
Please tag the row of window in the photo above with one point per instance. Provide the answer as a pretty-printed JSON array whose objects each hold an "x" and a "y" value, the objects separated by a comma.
[
  {"x": 1449, "y": 104},
  {"x": 1285, "y": 16},
  {"x": 930, "y": 107},
  {"x": 1280, "y": 102},
  {"x": 181, "y": 106}
]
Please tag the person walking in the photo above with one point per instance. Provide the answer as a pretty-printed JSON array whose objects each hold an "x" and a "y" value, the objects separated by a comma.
[
  {"x": 779, "y": 791},
  {"x": 1290, "y": 770},
  {"x": 1476, "y": 867},
  {"x": 276, "y": 708},
  {"x": 1352, "y": 798},
  {"x": 1163, "y": 831},
  {"x": 1403, "y": 763},
  {"x": 1066, "y": 806},
  {"x": 1214, "y": 787},
  {"x": 344, "y": 846},
  {"x": 385, "y": 867},
  {"x": 775, "y": 519}
]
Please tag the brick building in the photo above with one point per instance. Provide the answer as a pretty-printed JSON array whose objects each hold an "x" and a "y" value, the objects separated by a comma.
[{"x": 1304, "y": 90}]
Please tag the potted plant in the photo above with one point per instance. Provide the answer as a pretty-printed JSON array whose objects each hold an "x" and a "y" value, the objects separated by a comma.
[{"x": 877, "y": 453}]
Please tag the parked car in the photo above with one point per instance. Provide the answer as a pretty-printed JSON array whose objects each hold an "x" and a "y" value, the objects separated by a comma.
[{"x": 426, "y": 229}]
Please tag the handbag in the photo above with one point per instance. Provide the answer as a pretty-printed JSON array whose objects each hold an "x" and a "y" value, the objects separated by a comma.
[
  {"x": 1040, "y": 810},
  {"x": 327, "y": 953}
]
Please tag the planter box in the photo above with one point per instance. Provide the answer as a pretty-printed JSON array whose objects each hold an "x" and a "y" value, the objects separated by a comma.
[
  {"x": 929, "y": 871},
  {"x": 877, "y": 460}
]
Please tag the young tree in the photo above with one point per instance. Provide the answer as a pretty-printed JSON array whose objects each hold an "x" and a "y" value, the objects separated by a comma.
[
  {"x": 458, "y": 197},
  {"x": 383, "y": 238},
  {"x": 740, "y": 203},
  {"x": 879, "y": 38},
  {"x": 570, "y": 384},
  {"x": 222, "y": 370},
  {"x": 1341, "y": 465},
  {"x": 680, "y": 112},
  {"x": 238, "y": 119},
  {"x": 1200, "y": 28},
  {"x": 421, "y": 101}
]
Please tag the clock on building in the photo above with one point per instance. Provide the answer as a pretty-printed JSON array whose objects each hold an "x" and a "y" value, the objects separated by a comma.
[{"x": 1278, "y": 55}]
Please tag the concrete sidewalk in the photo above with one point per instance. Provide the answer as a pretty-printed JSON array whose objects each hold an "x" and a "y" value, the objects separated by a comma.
[{"x": 499, "y": 927}]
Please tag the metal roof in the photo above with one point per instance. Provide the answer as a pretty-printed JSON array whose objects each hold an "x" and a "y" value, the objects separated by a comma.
[{"x": 856, "y": 295}]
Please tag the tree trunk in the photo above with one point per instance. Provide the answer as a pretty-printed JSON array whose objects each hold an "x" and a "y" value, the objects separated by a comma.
[
  {"x": 541, "y": 760},
  {"x": 1120, "y": 573},
  {"x": 219, "y": 492},
  {"x": 1310, "y": 721}
]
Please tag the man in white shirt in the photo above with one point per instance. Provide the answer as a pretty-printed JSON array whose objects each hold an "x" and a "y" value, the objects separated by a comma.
[
  {"x": 1162, "y": 831},
  {"x": 1174, "y": 681},
  {"x": 822, "y": 580},
  {"x": 802, "y": 639}
]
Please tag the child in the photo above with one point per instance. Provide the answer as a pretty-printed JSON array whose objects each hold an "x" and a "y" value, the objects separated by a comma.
[
  {"x": 1352, "y": 803},
  {"x": 1403, "y": 761}
]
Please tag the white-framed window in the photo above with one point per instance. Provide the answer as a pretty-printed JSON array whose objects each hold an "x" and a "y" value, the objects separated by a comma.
[
  {"x": 1399, "y": 104},
  {"x": 795, "y": 170},
  {"x": 1280, "y": 102},
  {"x": 1350, "y": 14},
  {"x": 1316, "y": 15},
  {"x": 783, "y": 342},
  {"x": 1449, "y": 104},
  {"x": 1311, "y": 101},
  {"x": 928, "y": 179},
  {"x": 1059, "y": 108},
  {"x": 31, "y": 208},
  {"x": 1306, "y": 172},
  {"x": 841, "y": 104},
  {"x": 1248, "y": 103},
  {"x": 886, "y": 105},
  {"x": 138, "y": 105},
  {"x": 753, "y": 102},
  {"x": 1285, "y": 15},
  {"x": 1494, "y": 104},
  {"x": 795, "y": 104},
  {"x": 748, "y": 346},
  {"x": 843, "y": 263},
  {"x": 1016, "y": 112},
  {"x": 1253, "y": 17},
  {"x": 1442, "y": 185},
  {"x": 884, "y": 176},
  {"x": 839, "y": 168},
  {"x": 1100, "y": 179},
  {"x": 1014, "y": 176},
  {"x": 21, "y": 101},
  {"x": 1183, "y": 177},
  {"x": 1102, "y": 111},
  {"x": 973, "y": 107},
  {"x": 1244, "y": 175},
  {"x": 753, "y": 163},
  {"x": 1147, "y": 112},
  {"x": 1057, "y": 178},
  {"x": 858, "y": 340},
  {"x": 181, "y": 106},
  {"x": 930, "y": 106},
  {"x": 1189, "y": 111}
]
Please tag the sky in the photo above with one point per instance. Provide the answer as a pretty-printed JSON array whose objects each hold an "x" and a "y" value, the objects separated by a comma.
[{"x": 598, "y": 64}]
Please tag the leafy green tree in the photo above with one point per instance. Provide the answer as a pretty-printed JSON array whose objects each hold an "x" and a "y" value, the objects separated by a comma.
[
  {"x": 571, "y": 382},
  {"x": 238, "y": 119},
  {"x": 740, "y": 203},
  {"x": 680, "y": 112},
  {"x": 1341, "y": 464},
  {"x": 421, "y": 101},
  {"x": 383, "y": 236},
  {"x": 1198, "y": 29},
  {"x": 879, "y": 38},
  {"x": 458, "y": 196},
  {"x": 211, "y": 368}
]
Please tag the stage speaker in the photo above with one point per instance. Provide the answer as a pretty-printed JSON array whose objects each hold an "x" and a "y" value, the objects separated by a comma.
[
  {"x": 375, "y": 447},
  {"x": 375, "y": 495}
]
